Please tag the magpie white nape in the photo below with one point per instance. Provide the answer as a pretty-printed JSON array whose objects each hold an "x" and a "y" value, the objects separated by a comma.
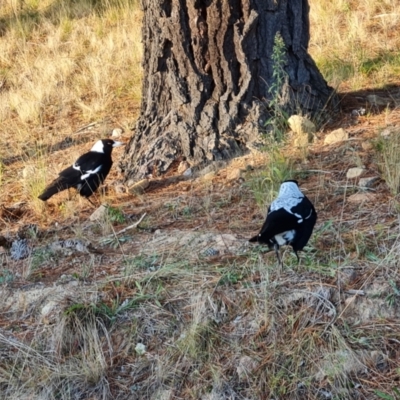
[
  {"x": 87, "y": 173},
  {"x": 290, "y": 220}
]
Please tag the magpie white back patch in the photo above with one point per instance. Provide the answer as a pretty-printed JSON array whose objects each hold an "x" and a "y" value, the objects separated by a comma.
[
  {"x": 285, "y": 237},
  {"x": 98, "y": 147},
  {"x": 289, "y": 196},
  {"x": 289, "y": 189},
  {"x": 92, "y": 172},
  {"x": 77, "y": 167},
  {"x": 309, "y": 215}
]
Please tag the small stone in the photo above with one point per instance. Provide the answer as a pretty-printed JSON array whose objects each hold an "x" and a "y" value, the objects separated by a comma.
[
  {"x": 117, "y": 133},
  {"x": 140, "y": 349},
  {"x": 354, "y": 172},
  {"x": 346, "y": 275},
  {"x": 368, "y": 182},
  {"x": 209, "y": 176},
  {"x": 367, "y": 146},
  {"x": 361, "y": 197},
  {"x": 183, "y": 166},
  {"x": 375, "y": 100},
  {"x": 188, "y": 172},
  {"x": 99, "y": 214},
  {"x": 301, "y": 125},
  {"x": 387, "y": 132},
  {"x": 48, "y": 308},
  {"x": 210, "y": 252},
  {"x": 234, "y": 174},
  {"x": 28, "y": 171},
  {"x": 338, "y": 135},
  {"x": 246, "y": 366},
  {"x": 358, "y": 112},
  {"x": 140, "y": 186},
  {"x": 303, "y": 130}
]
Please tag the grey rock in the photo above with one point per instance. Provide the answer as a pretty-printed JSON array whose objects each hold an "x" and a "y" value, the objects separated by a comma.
[
  {"x": 375, "y": 100},
  {"x": 368, "y": 182},
  {"x": 188, "y": 172},
  {"x": 99, "y": 214}
]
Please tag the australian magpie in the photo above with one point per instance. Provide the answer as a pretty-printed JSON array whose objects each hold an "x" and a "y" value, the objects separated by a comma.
[
  {"x": 290, "y": 220},
  {"x": 87, "y": 173}
]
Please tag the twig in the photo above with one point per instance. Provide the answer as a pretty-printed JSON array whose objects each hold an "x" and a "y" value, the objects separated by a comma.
[
  {"x": 319, "y": 170},
  {"x": 355, "y": 292},
  {"x": 91, "y": 125},
  {"x": 127, "y": 228}
]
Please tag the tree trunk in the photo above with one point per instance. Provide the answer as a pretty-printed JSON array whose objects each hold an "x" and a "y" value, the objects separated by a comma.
[{"x": 208, "y": 74}]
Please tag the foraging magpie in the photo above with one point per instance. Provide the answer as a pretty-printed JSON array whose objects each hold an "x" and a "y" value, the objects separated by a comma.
[
  {"x": 290, "y": 220},
  {"x": 87, "y": 173}
]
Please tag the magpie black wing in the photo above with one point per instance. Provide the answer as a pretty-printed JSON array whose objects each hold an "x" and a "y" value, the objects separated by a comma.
[
  {"x": 303, "y": 209},
  {"x": 277, "y": 221},
  {"x": 88, "y": 162},
  {"x": 69, "y": 177},
  {"x": 255, "y": 238},
  {"x": 305, "y": 229}
]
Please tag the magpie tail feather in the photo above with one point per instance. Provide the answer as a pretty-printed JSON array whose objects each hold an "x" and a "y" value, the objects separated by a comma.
[
  {"x": 254, "y": 239},
  {"x": 52, "y": 189}
]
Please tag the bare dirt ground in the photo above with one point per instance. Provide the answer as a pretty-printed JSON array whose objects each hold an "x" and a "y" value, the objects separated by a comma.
[{"x": 218, "y": 318}]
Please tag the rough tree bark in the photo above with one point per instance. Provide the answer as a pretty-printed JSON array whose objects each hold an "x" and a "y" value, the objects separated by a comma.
[{"x": 207, "y": 71}]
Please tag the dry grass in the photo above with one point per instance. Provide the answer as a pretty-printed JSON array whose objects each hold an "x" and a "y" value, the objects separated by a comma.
[
  {"x": 355, "y": 42},
  {"x": 389, "y": 150},
  {"x": 63, "y": 65},
  {"x": 214, "y": 325}
]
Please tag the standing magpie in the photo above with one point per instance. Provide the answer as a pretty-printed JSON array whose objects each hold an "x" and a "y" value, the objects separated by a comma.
[
  {"x": 290, "y": 220},
  {"x": 87, "y": 173}
]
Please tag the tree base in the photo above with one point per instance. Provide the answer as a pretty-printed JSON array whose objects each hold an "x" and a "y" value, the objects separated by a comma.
[{"x": 208, "y": 74}]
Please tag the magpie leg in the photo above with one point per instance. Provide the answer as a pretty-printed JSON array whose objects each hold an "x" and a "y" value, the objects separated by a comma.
[
  {"x": 298, "y": 258},
  {"x": 276, "y": 248}
]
